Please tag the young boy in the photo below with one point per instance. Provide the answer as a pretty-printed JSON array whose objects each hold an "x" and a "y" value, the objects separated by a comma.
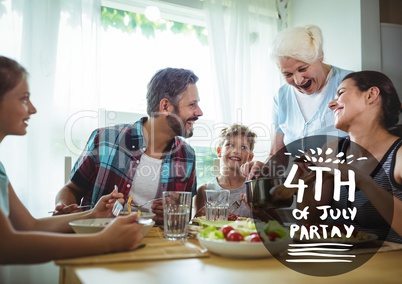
[{"x": 236, "y": 144}]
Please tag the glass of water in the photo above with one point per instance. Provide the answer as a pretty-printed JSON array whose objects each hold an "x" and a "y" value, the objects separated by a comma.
[
  {"x": 176, "y": 214},
  {"x": 217, "y": 204}
]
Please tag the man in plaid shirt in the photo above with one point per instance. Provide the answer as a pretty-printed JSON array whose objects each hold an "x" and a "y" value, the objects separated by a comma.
[{"x": 145, "y": 158}]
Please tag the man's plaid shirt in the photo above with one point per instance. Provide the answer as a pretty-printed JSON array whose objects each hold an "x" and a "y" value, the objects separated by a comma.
[{"x": 112, "y": 155}]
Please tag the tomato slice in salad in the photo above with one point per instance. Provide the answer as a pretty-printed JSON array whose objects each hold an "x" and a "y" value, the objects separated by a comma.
[
  {"x": 234, "y": 236},
  {"x": 246, "y": 231},
  {"x": 226, "y": 229}
]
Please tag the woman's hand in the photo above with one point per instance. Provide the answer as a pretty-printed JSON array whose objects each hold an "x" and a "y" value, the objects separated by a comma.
[
  {"x": 123, "y": 233},
  {"x": 103, "y": 208}
]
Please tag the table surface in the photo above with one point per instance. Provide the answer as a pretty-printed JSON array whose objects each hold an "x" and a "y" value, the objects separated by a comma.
[{"x": 383, "y": 267}]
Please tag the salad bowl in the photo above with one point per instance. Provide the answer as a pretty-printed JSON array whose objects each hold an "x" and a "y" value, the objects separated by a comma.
[
  {"x": 244, "y": 249},
  {"x": 245, "y": 239}
]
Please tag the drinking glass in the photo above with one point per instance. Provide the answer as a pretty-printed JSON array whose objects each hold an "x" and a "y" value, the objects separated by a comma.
[
  {"x": 176, "y": 214},
  {"x": 217, "y": 204}
]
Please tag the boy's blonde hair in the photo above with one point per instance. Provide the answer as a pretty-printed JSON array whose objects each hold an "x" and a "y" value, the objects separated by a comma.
[{"x": 237, "y": 129}]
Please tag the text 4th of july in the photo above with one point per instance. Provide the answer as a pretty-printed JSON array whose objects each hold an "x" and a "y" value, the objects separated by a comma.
[{"x": 321, "y": 230}]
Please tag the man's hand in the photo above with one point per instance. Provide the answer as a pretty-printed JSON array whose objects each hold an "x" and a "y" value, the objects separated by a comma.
[
  {"x": 62, "y": 209},
  {"x": 157, "y": 209},
  {"x": 104, "y": 207}
]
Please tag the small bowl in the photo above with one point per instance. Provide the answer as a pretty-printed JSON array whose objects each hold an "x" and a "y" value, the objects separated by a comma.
[
  {"x": 144, "y": 215},
  {"x": 259, "y": 193},
  {"x": 88, "y": 226}
]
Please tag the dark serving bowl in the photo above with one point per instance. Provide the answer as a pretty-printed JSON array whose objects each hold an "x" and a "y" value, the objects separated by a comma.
[{"x": 267, "y": 193}]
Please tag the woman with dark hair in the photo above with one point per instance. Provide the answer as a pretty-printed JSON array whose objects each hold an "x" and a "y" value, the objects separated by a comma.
[
  {"x": 390, "y": 103},
  {"x": 367, "y": 107},
  {"x": 25, "y": 239}
]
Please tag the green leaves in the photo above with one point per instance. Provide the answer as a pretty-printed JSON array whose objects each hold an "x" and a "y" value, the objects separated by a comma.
[{"x": 129, "y": 22}]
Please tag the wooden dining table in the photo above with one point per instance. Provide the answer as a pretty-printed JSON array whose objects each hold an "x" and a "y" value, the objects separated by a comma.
[{"x": 162, "y": 261}]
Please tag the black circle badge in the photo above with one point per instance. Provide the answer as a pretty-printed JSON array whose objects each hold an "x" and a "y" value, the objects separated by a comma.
[{"x": 312, "y": 185}]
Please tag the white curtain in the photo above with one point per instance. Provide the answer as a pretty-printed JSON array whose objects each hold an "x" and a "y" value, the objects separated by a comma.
[
  {"x": 240, "y": 34},
  {"x": 56, "y": 41}
]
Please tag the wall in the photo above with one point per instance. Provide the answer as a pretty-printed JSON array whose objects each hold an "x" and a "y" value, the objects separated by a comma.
[
  {"x": 391, "y": 40},
  {"x": 354, "y": 38},
  {"x": 351, "y": 30}
]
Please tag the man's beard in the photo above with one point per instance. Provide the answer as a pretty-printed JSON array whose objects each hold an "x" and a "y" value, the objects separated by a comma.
[{"x": 178, "y": 125}]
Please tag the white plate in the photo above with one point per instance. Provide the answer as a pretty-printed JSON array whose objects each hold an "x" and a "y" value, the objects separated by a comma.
[
  {"x": 87, "y": 226},
  {"x": 244, "y": 249}
]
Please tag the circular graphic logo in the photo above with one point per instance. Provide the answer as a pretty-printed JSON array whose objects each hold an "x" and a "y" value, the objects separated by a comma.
[{"x": 319, "y": 187}]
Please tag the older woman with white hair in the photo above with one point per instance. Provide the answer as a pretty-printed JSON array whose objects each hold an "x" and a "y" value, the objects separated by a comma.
[{"x": 300, "y": 107}]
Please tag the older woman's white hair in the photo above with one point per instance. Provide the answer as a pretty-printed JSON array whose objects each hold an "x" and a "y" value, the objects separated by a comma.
[{"x": 301, "y": 43}]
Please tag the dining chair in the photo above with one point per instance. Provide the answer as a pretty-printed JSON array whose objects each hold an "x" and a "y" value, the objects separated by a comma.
[{"x": 67, "y": 168}]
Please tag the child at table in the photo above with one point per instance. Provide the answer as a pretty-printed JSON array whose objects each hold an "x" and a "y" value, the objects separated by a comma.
[
  {"x": 24, "y": 239},
  {"x": 235, "y": 147}
]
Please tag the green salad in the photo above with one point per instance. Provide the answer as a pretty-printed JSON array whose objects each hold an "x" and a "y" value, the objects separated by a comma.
[{"x": 248, "y": 231}]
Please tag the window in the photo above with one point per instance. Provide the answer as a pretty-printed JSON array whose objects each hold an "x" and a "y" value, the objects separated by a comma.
[{"x": 134, "y": 45}]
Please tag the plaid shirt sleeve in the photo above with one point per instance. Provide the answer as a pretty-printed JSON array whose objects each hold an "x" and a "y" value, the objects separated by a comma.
[
  {"x": 111, "y": 156},
  {"x": 105, "y": 163}
]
